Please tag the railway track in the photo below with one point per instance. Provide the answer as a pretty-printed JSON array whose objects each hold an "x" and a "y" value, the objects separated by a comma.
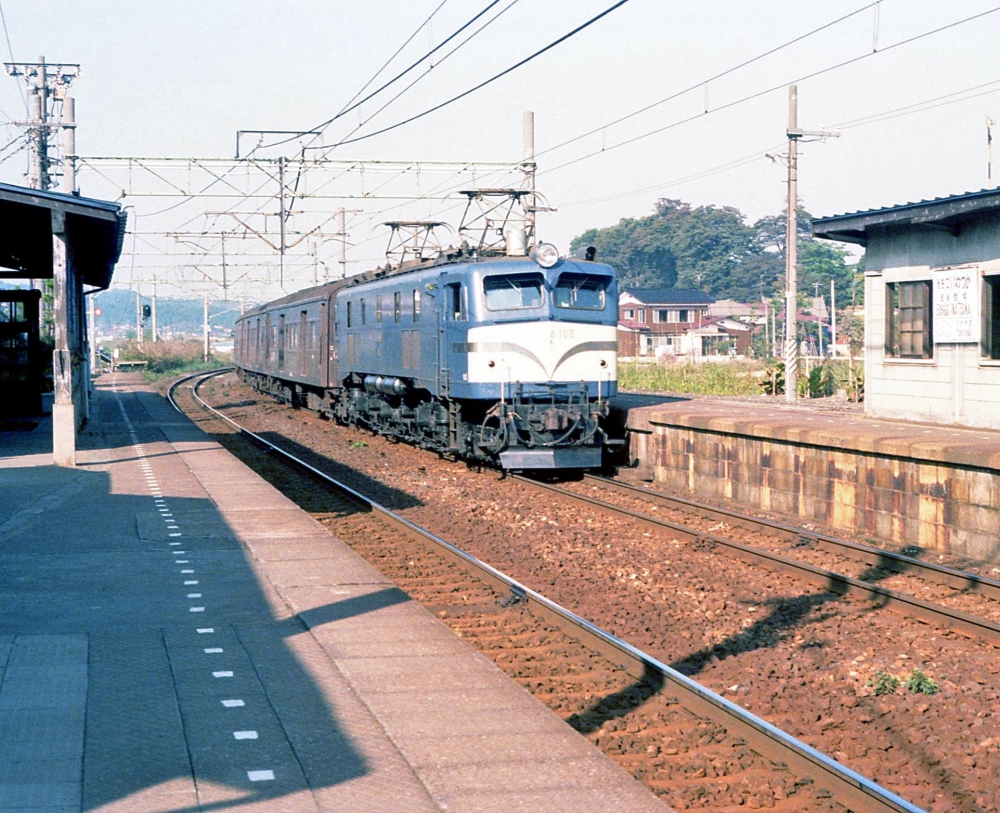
[
  {"x": 691, "y": 745},
  {"x": 707, "y": 524}
]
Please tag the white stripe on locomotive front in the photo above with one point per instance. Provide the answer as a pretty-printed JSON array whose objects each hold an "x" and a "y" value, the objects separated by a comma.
[{"x": 542, "y": 351}]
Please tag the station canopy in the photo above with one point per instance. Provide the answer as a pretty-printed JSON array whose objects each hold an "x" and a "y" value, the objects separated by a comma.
[{"x": 95, "y": 231}]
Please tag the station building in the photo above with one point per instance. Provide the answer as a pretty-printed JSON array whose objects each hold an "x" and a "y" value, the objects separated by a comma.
[{"x": 932, "y": 305}]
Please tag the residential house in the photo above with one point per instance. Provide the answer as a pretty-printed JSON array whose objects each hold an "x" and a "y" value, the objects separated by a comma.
[{"x": 655, "y": 322}]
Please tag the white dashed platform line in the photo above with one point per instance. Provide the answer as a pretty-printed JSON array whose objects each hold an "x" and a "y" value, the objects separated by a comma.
[{"x": 174, "y": 532}]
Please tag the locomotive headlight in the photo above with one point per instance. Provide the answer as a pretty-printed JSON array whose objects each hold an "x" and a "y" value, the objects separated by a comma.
[{"x": 545, "y": 254}]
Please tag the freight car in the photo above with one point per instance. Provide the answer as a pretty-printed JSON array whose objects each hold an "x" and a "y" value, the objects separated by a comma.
[{"x": 508, "y": 360}]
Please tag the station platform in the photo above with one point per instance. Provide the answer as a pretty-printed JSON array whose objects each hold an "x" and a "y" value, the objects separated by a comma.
[
  {"x": 908, "y": 484},
  {"x": 178, "y": 636}
]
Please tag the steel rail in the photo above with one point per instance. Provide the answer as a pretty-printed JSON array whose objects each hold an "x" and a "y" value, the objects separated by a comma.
[
  {"x": 897, "y": 562},
  {"x": 837, "y": 583},
  {"x": 850, "y": 788}
]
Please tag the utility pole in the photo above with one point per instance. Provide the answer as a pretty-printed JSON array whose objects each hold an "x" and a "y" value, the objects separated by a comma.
[
  {"x": 792, "y": 240},
  {"x": 48, "y": 84},
  {"x": 833, "y": 323},
  {"x": 530, "y": 166},
  {"x": 153, "y": 312},
  {"x": 138, "y": 317},
  {"x": 989, "y": 148},
  {"x": 342, "y": 234},
  {"x": 205, "y": 334}
]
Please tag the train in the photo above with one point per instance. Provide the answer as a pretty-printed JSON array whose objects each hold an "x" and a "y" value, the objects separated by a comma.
[{"x": 506, "y": 360}]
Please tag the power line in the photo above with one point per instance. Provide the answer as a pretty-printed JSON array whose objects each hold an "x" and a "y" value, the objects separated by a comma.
[
  {"x": 426, "y": 73},
  {"x": 10, "y": 51},
  {"x": 481, "y": 85},
  {"x": 399, "y": 50},
  {"x": 920, "y": 107},
  {"x": 344, "y": 111},
  {"x": 885, "y": 115},
  {"x": 772, "y": 89},
  {"x": 704, "y": 82}
]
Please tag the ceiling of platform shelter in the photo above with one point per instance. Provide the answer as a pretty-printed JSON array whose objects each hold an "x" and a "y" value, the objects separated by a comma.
[{"x": 95, "y": 230}]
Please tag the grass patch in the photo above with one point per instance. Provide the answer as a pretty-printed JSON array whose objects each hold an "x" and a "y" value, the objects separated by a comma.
[
  {"x": 692, "y": 379},
  {"x": 171, "y": 357}
]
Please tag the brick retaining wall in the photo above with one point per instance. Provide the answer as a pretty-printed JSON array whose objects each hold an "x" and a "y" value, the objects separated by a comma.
[{"x": 908, "y": 484}]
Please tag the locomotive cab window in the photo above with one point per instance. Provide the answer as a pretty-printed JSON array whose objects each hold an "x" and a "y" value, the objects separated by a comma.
[
  {"x": 581, "y": 291},
  {"x": 513, "y": 291}
]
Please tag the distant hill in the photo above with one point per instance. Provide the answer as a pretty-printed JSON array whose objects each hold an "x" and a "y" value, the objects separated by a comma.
[{"x": 178, "y": 316}]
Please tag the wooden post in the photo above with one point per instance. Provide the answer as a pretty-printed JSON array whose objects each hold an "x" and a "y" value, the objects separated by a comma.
[{"x": 63, "y": 408}]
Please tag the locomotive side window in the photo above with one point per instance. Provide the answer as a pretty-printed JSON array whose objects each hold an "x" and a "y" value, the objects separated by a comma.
[
  {"x": 361, "y": 308},
  {"x": 349, "y": 317},
  {"x": 580, "y": 291},
  {"x": 416, "y": 304},
  {"x": 458, "y": 309},
  {"x": 513, "y": 291},
  {"x": 397, "y": 306},
  {"x": 378, "y": 309}
]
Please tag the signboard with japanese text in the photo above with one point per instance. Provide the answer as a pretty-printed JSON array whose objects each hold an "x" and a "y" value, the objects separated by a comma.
[{"x": 956, "y": 305}]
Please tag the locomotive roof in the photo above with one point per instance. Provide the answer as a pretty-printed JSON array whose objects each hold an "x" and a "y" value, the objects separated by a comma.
[{"x": 450, "y": 257}]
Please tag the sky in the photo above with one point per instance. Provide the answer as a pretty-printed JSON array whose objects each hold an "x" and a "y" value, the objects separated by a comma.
[{"x": 655, "y": 100}]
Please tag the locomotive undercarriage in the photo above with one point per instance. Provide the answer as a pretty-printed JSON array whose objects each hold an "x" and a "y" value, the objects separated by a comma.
[{"x": 560, "y": 429}]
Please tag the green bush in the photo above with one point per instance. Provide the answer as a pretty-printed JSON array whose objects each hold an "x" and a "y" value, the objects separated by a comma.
[
  {"x": 918, "y": 683},
  {"x": 883, "y": 683}
]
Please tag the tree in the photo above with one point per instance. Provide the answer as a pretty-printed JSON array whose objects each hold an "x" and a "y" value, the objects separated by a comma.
[{"x": 713, "y": 249}]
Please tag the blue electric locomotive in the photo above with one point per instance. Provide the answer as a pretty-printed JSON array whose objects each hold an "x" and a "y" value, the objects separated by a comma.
[{"x": 509, "y": 360}]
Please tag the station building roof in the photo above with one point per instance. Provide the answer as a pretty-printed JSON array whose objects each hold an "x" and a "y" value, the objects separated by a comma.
[
  {"x": 95, "y": 230},
  {"x": 937, "y": 213}
]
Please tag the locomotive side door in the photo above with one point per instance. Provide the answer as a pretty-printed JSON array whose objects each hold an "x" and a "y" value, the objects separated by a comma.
[{"x": 453, "y": 318}]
